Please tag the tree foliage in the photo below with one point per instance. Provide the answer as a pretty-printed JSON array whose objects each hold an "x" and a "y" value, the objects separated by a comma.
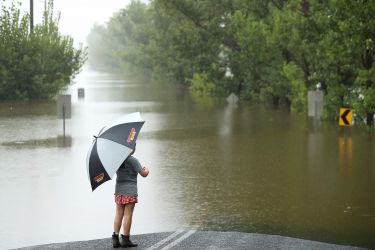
[
  {"x": 35, "y": 65},
  {"x": 270, "y": 51}
]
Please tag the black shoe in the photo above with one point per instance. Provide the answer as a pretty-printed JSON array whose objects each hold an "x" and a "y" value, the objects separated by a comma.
[
  {"x": 115, "y": 241},
  {"x": 126, "y": 241}
]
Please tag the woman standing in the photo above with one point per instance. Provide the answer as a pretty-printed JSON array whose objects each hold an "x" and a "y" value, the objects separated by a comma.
[{"x": 126, "y": 195}]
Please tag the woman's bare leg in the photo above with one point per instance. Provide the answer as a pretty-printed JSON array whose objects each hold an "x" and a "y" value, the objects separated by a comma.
[
  {"x": 129, "y": 208},
  {"x": 118, "y": 218}
]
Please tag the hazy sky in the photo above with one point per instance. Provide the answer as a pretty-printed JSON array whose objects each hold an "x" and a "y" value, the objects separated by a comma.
[{"x": 77, "y": 16}]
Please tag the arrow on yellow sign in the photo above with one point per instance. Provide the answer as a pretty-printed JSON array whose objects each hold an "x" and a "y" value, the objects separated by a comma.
[{"x": 346, "y": 116}]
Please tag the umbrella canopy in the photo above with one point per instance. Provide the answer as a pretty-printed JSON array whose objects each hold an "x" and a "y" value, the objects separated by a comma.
[{"x": 111, "y": 147}]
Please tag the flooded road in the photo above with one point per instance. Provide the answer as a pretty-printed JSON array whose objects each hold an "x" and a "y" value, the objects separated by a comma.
[{"x": 213, "y": 166}]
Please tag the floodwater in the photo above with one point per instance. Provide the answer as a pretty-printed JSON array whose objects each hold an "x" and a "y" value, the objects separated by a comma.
[{"x": 213, "y": 166}]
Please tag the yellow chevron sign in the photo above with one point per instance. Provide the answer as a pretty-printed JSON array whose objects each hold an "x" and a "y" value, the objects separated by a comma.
[{"x": 346, "y": 116}]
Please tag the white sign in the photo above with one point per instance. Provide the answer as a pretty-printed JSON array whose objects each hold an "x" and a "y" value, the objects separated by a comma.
[
  {"x": 232, "y": 98},
  {"x": 64, "y": 106},
  {"x": 315, "y": 103}
]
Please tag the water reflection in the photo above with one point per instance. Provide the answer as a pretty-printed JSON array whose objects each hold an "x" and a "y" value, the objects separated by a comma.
[
  {"x": 59, "y": 141},
  {"x": 27, "y": 108},
  {"x": 226, "y": 122},
  {"x": 345, "y": 144}
]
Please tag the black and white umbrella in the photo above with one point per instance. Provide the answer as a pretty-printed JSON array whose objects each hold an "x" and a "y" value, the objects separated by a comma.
[{"x": 111, "y": 147}]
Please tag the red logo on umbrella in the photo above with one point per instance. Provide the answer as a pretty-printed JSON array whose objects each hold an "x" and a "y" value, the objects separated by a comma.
[
  {"x": 99, "y": 178},
  {"x": 131, "y": 135}
]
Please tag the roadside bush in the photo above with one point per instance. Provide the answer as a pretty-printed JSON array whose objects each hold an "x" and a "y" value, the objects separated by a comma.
[{"x": 35, "y": 65}]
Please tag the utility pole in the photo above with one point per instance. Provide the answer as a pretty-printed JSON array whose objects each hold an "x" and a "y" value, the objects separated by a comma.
[{"x": 31, "y": 16}]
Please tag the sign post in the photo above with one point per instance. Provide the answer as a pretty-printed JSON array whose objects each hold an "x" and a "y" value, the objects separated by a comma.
[
  {"x": 346, "y": 116},
  {"x": 81, "y": 93},
  {"x": 64, "y": 104},
  {"x": 31, "y": 16},
  {"x": 345, "y": 139},
  {"x": 232, "y": 99},
  {"x": 315, "y": 103}
]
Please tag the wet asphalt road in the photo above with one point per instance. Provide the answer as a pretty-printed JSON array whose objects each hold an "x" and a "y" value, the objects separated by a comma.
[{"x": 192, "y": 239}]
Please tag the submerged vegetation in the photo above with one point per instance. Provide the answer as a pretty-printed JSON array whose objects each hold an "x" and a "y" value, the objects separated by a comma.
[{"x": 35, "y": 64}]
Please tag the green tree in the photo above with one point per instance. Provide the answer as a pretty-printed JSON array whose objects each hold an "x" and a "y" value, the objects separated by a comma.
[
  {"x": 35, "y": 65},
  {"x": 271, "y": 51}
]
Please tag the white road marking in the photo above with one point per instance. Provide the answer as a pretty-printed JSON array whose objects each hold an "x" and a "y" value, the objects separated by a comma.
[
  {"x": 183, "y": 237},
  {"x": 170, "y": 237}
]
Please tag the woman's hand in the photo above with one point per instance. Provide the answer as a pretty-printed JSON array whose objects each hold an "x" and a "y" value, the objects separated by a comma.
[{"x": 144, "y": 172}]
